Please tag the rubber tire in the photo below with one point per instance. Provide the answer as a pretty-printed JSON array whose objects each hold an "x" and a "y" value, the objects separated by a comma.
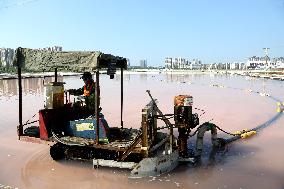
[{"x": 57, "y": 151}]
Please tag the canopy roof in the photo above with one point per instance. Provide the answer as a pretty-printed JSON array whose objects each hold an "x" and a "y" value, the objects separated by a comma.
[{"x": 36, "y": 60}]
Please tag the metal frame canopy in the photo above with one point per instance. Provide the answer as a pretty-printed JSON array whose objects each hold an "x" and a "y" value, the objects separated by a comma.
[{"x": 35, "y": 60}]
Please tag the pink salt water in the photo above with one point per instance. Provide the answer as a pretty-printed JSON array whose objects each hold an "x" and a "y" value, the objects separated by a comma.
[{"x": 256, "y": 162}]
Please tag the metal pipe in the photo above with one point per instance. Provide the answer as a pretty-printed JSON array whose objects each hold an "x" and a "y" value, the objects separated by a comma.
[
  {"x": 20, "y": 127},
  {"x": 144, "y": 125},
  {"x": 200, "y": 134},
  {"x": 153, "y": 128},
  {"x": 66, "y": 98},
  {"x": 55, "y": 75},
  {"x": 171, "y": 139},
  {"x": 121, "y": 99},
  {"x": 97, "y": 94}
]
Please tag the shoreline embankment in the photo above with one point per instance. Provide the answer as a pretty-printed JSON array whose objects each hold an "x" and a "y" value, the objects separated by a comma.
[{"x": 268, "y": 74}]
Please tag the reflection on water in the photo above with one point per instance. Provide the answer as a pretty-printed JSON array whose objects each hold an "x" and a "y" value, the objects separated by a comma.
[
  {"x": 253, "y": 163},
  {"x": 125, "y": 76},
  {"x": 30, "y": 85}
]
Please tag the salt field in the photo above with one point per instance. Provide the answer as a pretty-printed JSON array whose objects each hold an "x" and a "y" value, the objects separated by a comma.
[{"x": 232, "y": 102}]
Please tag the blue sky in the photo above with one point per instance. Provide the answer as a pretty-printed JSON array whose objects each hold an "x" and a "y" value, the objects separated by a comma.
[{"x": 211, "y": 30}]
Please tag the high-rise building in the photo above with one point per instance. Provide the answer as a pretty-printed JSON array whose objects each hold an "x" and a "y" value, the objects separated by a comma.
[
  {"x": 128, "y": 62},
  {"x": 168, "y": 63},
  {"x": 6, "y": 57},
  {"x": 182, "y": 63},
  {"x": 143, "y": 63}
]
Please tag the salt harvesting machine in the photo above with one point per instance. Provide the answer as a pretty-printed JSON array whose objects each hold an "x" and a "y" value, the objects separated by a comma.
[{"x": 73, "y": 134}]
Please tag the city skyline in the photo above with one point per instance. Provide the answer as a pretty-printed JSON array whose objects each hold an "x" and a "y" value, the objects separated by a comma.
[
  {"x": 7, "y": 55},
  {"x": 219, "y": 31}
]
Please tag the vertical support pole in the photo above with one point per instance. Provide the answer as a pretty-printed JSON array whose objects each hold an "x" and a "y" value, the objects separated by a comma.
[
  {"x": 20, "y": 127},
  {"x": 190, "y": 117},
  {"x": 150, "y": 131},
  {"x": 66, "y": 98},
  {"x": 121, "y": 99},
  {"x": 150, "y": 126},
  {"x": 154, "y": 124},
  {"x": 171, "y": 139},
  {"x": 97, "y": 94},
  {"x": 55, "y": 75},
  {"x": 144, "y": 125}
]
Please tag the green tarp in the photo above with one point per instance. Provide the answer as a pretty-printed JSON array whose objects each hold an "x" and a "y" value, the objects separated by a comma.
[{"x": 38, "y": 60}]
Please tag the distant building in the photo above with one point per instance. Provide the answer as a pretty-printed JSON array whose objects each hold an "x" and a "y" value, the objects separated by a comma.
[
  {"x": 182, "y": 63},
  {"x": 143, "y": 63},
  {"x": 266, "y": 62},
  {"x": 242, "y": 66},
  {"x": 221, "y": 66},
  {"x": 278, "y": 62},
  {"x": 255, "y": 62},
  {"x": 227, "y": 66},
  {"x": 212, "y": 66},
  {"x": 195, "y": 64},
  {"x": 235, "y": 66},
  {"x": 168, "y": 63},
  {"x": 6, "y": 57},
  {"x": 128, "y": 62}
]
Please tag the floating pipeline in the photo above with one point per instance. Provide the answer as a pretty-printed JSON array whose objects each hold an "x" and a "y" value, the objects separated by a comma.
[
  {"x": 248, "y": 134},
  {"x": 254, "y": 130},
  {"x": 217, "y": 142},
  {"x": 240, "y": 132},
  {"x": 244, "y": 133},
  {"x": 280, "y": 107}
]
